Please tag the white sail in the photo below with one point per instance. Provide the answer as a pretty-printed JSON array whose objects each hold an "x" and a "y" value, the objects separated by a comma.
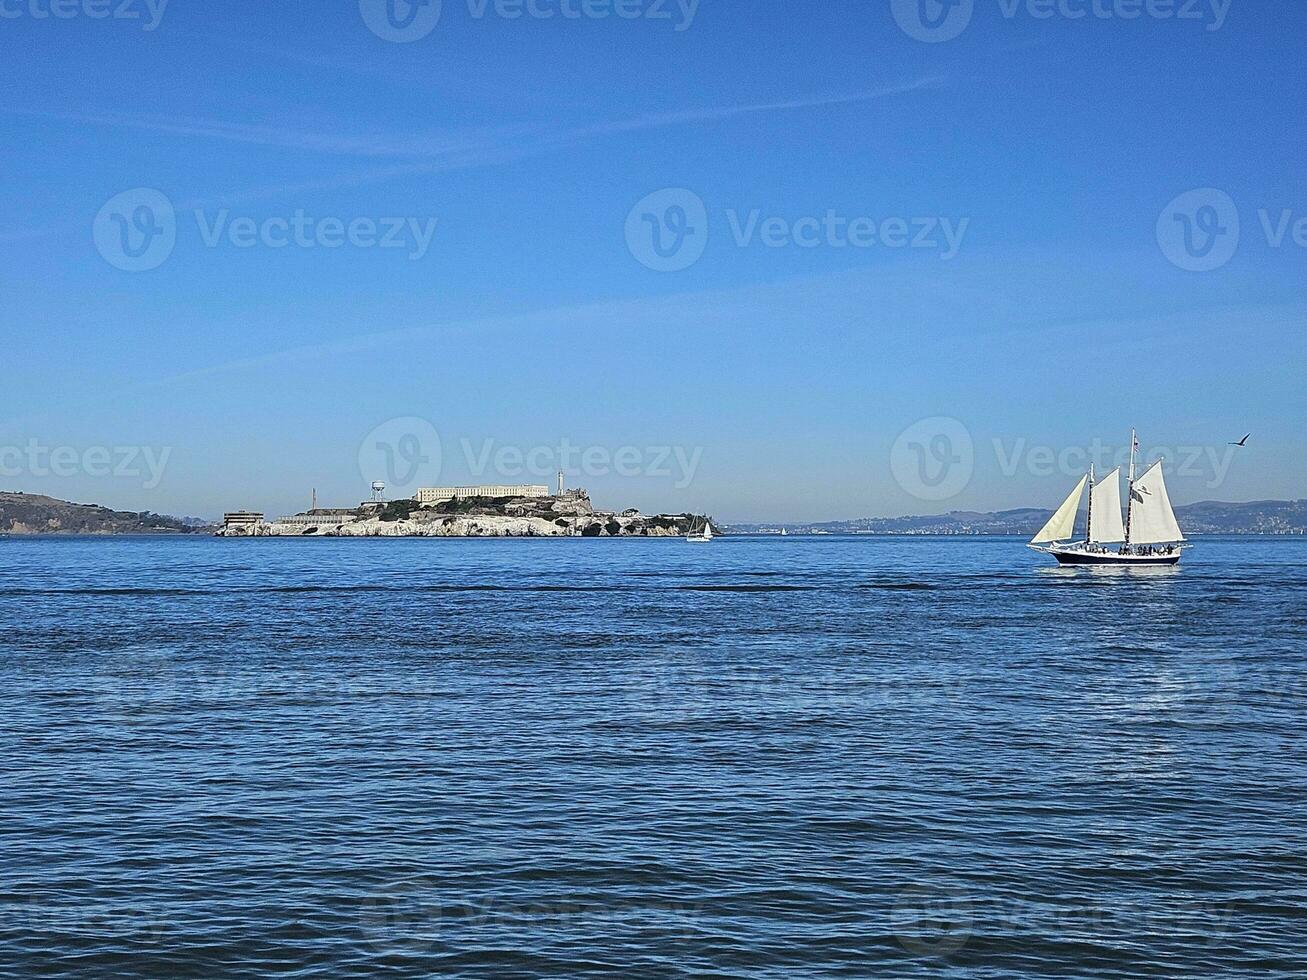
[
  {"x": 1152, "y": 521},
  {"x": 1062, "y": 524},
  {"x": 1105, "y": 525}
]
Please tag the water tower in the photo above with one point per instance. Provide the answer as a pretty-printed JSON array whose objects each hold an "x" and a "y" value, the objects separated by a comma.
[{"x": 378, "y": 491}]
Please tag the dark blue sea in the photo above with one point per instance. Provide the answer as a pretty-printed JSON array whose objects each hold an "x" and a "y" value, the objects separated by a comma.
[{"x": 764, "y": 757}]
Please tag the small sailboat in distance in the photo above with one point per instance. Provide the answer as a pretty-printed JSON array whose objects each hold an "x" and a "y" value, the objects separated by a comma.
[
  {"x": 1149, "y": 535},
  {"x": 700, "y": 535}
]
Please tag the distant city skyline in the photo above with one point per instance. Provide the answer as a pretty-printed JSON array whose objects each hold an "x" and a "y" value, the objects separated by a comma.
[{"x": 766, "y": 264}]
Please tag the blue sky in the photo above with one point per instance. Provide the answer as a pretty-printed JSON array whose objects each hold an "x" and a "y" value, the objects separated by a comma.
[{"x": 781, "y": 371}]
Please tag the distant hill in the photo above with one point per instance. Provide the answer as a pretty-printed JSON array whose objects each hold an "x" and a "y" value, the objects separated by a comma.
[
  {"x": 30, "y": 513},
  {"x": 1207, "y": 517}
]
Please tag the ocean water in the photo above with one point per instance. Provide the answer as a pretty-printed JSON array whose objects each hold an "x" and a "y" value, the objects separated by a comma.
[{"x": 764, "y": 757}]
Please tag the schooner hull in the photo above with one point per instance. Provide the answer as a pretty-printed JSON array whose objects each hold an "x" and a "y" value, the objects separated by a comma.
[{"x": 1088, "y": 558}]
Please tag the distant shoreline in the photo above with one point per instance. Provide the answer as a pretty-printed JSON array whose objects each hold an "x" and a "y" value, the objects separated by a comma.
[{"x": 23, "y": 515}]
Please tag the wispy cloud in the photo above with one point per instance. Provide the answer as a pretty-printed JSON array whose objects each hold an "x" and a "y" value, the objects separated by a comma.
[
  {"x": 426, "y": 154},
  {"x": 480, "y": 87},
  {"x": 682, "y": 117},
  {"x": 330, "y": 143},
  {"x": 491, "y": 140}
]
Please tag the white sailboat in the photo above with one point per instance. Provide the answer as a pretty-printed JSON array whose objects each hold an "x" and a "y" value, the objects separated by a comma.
[
  {"x": 1149, "y": 535},
  {"x": 701, "y": 535}
]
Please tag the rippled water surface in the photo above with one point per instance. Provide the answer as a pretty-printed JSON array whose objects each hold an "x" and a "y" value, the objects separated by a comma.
[{"x": 762, "y": 757}]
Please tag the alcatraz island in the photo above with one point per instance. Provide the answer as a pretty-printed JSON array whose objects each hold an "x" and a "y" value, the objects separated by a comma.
[{"x": 464, "y": 512}]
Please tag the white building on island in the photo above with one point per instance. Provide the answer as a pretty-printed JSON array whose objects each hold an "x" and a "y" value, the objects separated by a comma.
[{"x": 437, "y": 495}]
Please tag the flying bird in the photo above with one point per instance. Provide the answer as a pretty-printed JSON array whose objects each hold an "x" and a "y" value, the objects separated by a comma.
[{"x": 1241, "y": 442}]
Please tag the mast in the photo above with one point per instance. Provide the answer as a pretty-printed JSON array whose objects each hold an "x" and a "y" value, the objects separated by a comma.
[
  {"x": 1130, "y": 495},
  {"x": 1089, "y": 513}
]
